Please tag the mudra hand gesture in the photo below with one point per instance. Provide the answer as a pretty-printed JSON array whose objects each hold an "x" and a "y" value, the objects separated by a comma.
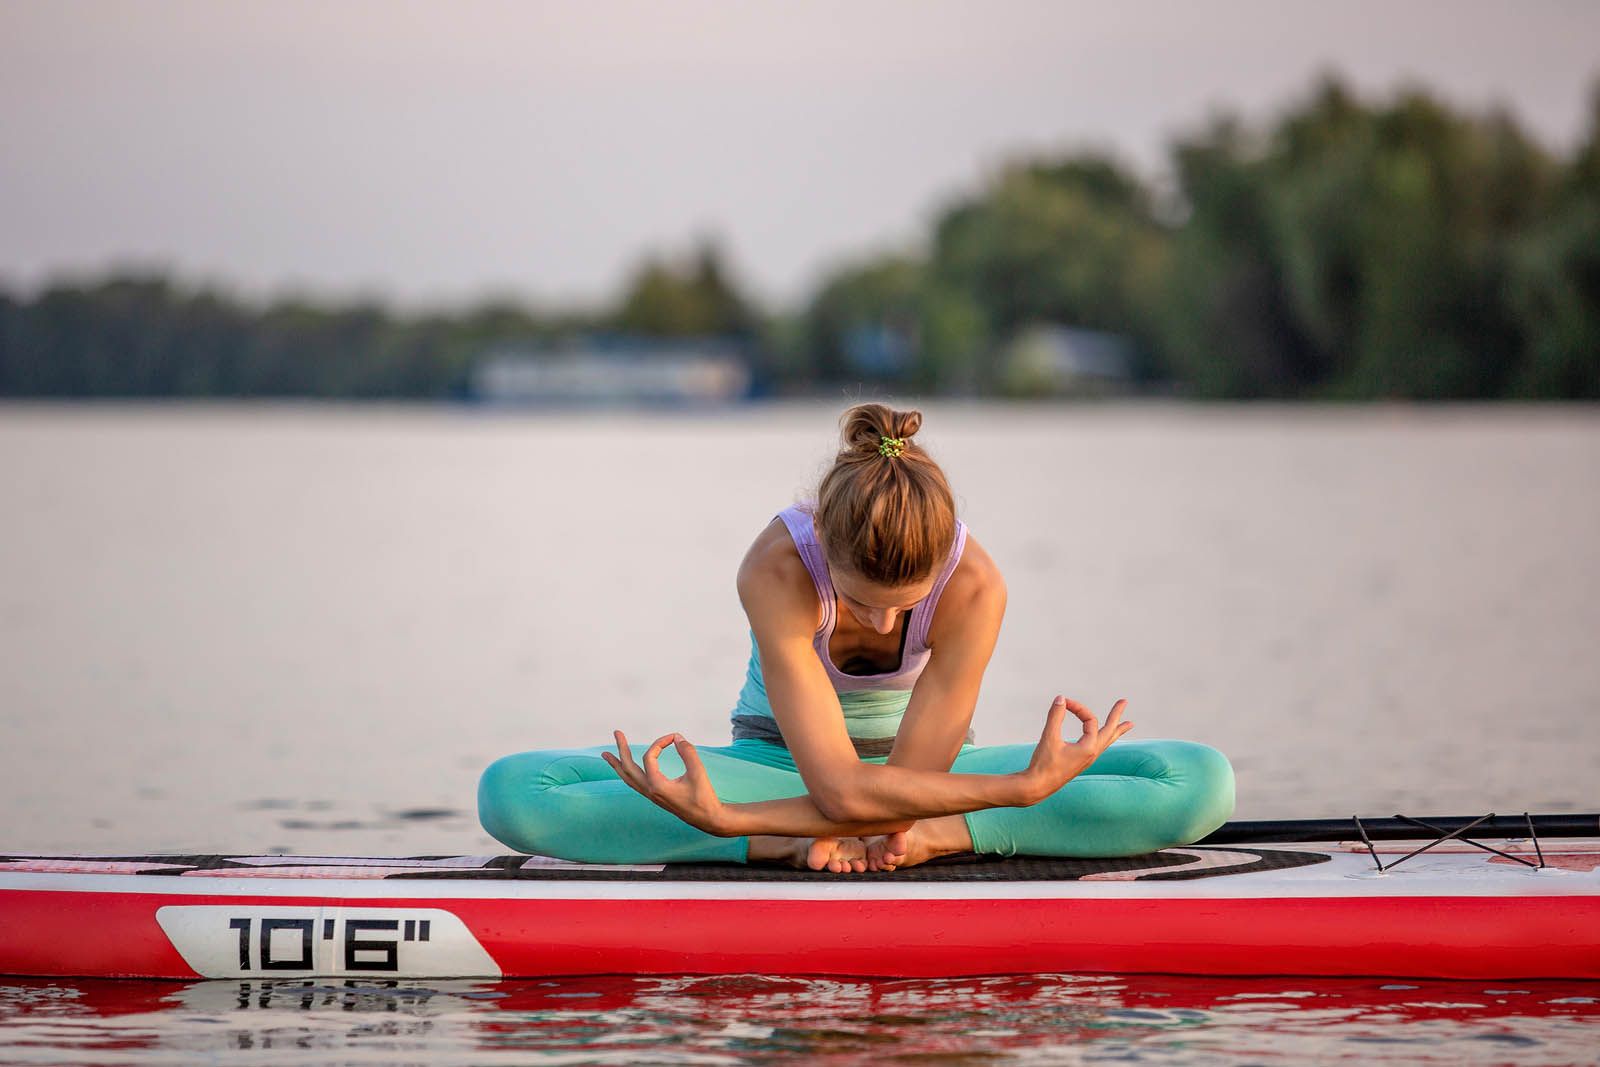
[
  {"x": 1056, "y": 762},
  {"x": 690, "y": 796}
]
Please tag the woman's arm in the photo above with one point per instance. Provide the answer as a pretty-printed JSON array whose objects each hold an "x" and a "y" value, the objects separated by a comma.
[
  {"x": 845, "y": 795},
  {"x": 781, "y": 605},
  {"x": 692, "y": 798},
  {"x": 963, "y": 635}
]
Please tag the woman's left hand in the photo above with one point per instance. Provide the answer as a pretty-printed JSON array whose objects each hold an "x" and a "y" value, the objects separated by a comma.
[{"x": 689, "y": 797}]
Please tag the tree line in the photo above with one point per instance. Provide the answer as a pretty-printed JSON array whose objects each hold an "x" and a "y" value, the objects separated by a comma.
[{"x": 1349, "y": 249}]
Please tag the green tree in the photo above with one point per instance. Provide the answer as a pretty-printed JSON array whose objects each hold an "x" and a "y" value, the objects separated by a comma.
[
  {"x": 1227, "y": 323},
  {"x": 1555, "y": 283},
  {"x": 1354, "y": 251},
  {"x": 697, "y": 299},
  {"x": 1397, "y": 227},
  {"x": 1073, "y": 241}
]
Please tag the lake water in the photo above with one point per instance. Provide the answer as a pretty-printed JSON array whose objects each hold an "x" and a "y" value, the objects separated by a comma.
[
  {"x": 1035, "y": 1019},
  {"x": 308, "y": 628}
]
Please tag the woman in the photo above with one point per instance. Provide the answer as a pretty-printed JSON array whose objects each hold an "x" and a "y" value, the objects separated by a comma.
[{"x": 872, "y": 615}]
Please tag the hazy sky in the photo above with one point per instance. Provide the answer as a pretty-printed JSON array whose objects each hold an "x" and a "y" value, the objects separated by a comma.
[{"x": 434, "y": 152}]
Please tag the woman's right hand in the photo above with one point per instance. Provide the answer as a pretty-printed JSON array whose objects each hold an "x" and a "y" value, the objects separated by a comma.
[{"x": 1055, "y": 761}]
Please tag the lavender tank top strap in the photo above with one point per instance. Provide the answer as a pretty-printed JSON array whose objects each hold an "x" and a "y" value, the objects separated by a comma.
[
  {"x": 917, "y": 639},
  {"x": 804, "y": 535}
]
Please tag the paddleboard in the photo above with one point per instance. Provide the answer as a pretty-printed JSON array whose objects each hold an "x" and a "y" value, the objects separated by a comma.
[{"x": 1314, "y": 909}]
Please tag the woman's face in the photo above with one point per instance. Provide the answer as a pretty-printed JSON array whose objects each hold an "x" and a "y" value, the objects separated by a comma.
[{"x": 877, "y": 607}]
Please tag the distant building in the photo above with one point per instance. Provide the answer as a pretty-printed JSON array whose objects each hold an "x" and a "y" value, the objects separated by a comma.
[
  {"x": 880, "y": 349},
  {"x": 1050, "y": 360},
  {"x": 607, "y": 371}
]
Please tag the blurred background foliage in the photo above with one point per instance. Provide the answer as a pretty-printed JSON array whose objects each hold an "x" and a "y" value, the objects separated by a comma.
[{"x": 1349, "y": 250}]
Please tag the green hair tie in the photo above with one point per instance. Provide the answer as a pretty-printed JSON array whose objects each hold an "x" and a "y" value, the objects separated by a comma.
[{"x": 892, "y": 446}]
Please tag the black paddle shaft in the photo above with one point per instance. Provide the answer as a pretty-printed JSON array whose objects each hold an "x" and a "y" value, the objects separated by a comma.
[{"x": 1399, "y": 828}]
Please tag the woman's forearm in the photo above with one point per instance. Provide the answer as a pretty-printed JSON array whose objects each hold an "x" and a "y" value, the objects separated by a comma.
[
  {"x": 879, "y": 798},
  {"x": 793, "y": 817}
]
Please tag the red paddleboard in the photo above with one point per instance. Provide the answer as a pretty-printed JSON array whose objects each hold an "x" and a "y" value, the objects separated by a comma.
[{"x": 1452, "y": 912}]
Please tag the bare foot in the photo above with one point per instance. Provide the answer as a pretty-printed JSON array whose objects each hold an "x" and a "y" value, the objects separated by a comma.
[
  {"x": 921, "y": 843},
  {"x": 889, "y": 851},
  {"x": 841, "y": 855}
]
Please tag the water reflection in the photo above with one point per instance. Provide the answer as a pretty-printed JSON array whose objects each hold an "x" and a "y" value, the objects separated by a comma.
[{"x": 753, "y": 1019}]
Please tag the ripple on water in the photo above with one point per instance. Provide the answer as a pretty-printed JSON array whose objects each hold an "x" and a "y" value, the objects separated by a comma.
[{"x": 689, "y": 1020}]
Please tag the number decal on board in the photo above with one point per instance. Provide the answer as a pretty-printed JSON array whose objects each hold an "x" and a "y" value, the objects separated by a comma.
[{"x": 222, "y": 941}]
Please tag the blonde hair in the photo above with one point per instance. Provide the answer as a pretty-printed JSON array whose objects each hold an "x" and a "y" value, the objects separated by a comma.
[{"x": 884, "y": 510}]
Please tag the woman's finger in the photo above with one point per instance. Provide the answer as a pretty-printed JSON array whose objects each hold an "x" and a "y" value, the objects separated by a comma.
[
  {"x": 1083, "y": 713},
  {"x": 1110, "y": 737},
  {"x": 1053, "y": 719},
  {"x": 1091, "y": 731},
  {"x": 627, "y": 772},
  {"x": 652, "y": 757},
  {"x": 1090, "y": 724},
  {"x": 691, "y": 759},
  {"x": 625, "y": 765}
]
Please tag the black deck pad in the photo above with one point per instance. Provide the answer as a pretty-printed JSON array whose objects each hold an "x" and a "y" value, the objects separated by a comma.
[{"x": 1164, "y": 866}]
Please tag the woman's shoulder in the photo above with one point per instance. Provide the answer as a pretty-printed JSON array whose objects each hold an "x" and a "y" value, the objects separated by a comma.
[
  {"x": 773, "y": 553},
  {"x": 977, "y": 572},
  {"x": 772, "y": 570},
  {"x": 976, "y": 586}
]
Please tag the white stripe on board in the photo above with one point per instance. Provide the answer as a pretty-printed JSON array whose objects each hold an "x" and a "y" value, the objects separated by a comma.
[{"x": 1328, "y": 880}]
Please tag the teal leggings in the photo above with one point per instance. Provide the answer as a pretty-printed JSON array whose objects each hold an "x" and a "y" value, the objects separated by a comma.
[{"x": 1137, "y": 797}]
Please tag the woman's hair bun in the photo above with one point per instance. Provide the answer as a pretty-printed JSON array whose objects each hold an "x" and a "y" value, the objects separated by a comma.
[
  {"x": 884, "y": 510},
  {"x": 864, "y": 427}
]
